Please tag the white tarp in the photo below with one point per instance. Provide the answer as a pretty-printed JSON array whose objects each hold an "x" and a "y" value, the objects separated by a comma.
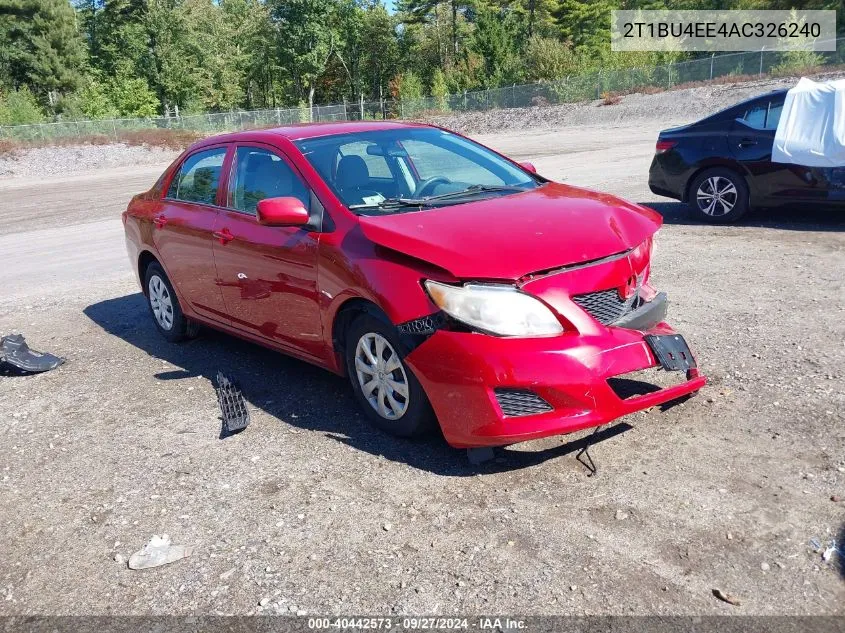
[{"x": 811, "y": 130}]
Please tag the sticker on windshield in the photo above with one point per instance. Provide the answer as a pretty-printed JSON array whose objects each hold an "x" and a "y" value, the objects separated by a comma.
[{"x": 373, "y": 199}]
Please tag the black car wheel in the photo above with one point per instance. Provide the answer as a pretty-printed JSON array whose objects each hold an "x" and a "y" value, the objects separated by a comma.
[
  {"x": 163, "y": 304},
  {"x": 384, "y": 385},
  {"x": 719, "y": 196}
]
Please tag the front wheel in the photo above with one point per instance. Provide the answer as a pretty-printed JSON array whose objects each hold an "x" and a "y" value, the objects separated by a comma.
[
  {"x": 388, "y": 391},
  {"x": 719, "y": 196}
]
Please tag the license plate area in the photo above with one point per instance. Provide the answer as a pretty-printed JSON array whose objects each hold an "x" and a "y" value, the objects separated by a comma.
[{"x": 672, "y": 351}]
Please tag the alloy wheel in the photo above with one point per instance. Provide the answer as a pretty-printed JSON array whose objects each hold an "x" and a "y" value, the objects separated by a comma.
[
  {"x": 716, "y": 196},
  {"x": 161, "y": 302},
  {"x": 381, "y": 376}
]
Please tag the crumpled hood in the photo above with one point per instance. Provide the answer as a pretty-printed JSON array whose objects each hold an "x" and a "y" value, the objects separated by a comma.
[{"x": 508, "y": 237}]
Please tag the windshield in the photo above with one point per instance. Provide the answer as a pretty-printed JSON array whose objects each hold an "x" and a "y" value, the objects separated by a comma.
[{"x": 388, "y": 171}]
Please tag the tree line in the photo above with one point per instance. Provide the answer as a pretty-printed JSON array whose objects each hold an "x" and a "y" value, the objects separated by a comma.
[{"x": 143, "y": 58}]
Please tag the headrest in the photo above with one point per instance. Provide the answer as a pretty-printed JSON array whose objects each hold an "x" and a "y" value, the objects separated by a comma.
[{"x": 352, "y": 172}]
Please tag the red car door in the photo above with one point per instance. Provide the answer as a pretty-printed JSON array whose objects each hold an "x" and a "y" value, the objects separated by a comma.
[
  {"x": 268, "y": 274},
  {"x": 183, "y": 228}
]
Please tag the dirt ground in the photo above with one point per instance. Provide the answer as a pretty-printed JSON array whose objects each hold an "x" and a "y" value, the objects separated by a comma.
[{"x": 310, "y": 510}]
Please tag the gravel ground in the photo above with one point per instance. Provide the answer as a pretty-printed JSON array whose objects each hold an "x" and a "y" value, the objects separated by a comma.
[
  {"x": 311, "y": 510},
  {"x": 56, "y": 161},
  {"x": 689, "y": 103}
]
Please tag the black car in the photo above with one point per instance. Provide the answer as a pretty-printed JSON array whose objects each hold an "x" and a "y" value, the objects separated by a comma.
[{"x": 722, "y": 164}]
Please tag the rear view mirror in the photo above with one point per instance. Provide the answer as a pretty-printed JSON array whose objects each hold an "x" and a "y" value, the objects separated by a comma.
[
  {"x": 378, "y": 150},
  {"x": 287, "y": 211},
  {"x": 528, "y": 167}
]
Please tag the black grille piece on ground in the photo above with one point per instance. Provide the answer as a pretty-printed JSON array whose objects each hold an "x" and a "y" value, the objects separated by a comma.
[
  {"x": 606, "y": 306},
  {"x": 232, "y": 406},
  {"x": 17, "y": 357},
  {"x": 519, "y": 402}
]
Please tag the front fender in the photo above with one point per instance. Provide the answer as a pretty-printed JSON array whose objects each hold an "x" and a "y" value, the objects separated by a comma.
[{"x": 356, "y": 270}]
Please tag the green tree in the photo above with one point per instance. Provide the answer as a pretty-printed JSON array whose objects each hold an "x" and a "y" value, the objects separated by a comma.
[
  {"x": 40, "y": 47},
  {"x": 408, "y": 86},
  {"x": 91, "y": 101},
  {"x": 584, "y": 23},
  {"x": 440, "y": 90},
  {"x": 380, "y": 55},
  {"x": 167, "y": 62},
  {"x": 307, "y": 37},
  {"x": 132, "y": 97},
  {"x": 116, "y": 35},
  {"x": 212, "y": 42},
  {"x": 548, "y": 58},
  {"x": 426, "y": 11},
  {"x": 495, "y": 40},
  {"x": 19, "y": 107}
]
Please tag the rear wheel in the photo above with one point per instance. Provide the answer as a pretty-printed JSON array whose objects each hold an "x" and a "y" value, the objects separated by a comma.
[
  {"x": 388, "y": 391},
  {"x": 719, "y": 196},
  {"x": 163, "y": 304}
]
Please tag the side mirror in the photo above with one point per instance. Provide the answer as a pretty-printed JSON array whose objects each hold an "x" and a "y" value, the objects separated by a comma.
[
  {"x": 528, "y": 167},
  {"x": 286, "y": 211}
]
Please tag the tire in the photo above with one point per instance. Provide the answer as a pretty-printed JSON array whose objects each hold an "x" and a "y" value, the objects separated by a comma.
[
  {"x": 728, "y": 206},
  {"x": 164, "y": 305},
  {"x": 403, "y": 416}
]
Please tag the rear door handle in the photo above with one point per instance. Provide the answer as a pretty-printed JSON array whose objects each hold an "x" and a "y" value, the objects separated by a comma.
[
  {"x": 747, "y": 142},
  {"x": 160, "y": 221},
  {"x": 225, "y": 236}
]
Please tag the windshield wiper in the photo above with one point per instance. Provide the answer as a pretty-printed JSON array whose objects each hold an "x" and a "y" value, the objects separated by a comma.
[
  {"x": 421, "y": 202},
  {"x": 388, "y": 203},
  {"x": 473, "y": 189}
]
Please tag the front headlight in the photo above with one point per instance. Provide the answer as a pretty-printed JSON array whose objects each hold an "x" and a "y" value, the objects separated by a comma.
[{"x": 501, "y": 310}]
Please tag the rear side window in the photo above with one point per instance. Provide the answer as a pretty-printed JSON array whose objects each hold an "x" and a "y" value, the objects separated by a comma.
[
  {"x": 756, "y": 116},
  {"x": 258, "y": 174},
  {"x": 764, "y": 116},
  {"x": 198, "y": 177}
]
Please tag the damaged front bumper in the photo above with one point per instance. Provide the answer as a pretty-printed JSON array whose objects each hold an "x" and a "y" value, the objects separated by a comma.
[{"x": 493, "y": 391}]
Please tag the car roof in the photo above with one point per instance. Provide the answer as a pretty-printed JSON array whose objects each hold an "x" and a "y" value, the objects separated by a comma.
[
  {"x": 300, "y": 131},
  {"x": 773, "y": 93}
]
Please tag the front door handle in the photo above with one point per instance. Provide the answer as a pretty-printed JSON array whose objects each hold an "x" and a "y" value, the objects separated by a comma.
[
  {"x": 225, "y": 236},
  {"x": 747, "y": 142},
  {"x": 160, "y": 221}
]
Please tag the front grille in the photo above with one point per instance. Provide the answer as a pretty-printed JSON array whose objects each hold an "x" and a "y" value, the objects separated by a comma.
[
  {"x": 518, "y": 402},
  {"x": 606, "y": 306}
]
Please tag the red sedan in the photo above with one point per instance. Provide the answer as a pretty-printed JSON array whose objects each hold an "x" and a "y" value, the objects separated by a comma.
[{"x": 448, "y": 282}]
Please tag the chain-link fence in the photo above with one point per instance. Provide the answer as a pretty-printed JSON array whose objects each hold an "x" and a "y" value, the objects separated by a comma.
[{"x": 569, "y": 89}]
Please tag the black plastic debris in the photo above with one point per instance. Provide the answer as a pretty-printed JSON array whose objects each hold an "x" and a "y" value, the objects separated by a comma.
[
  {"x": 232, "y": 406},
  {"x": 16, "y": 355}
]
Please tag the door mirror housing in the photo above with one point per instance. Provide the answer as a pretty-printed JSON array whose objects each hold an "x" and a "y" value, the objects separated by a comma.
[
  {"x": 528, "y": 167},
  {"x": 287, "y": 211}
]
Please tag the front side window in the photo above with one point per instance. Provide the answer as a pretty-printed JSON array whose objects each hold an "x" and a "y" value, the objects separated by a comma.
[
  {"x": 387, "y": 171},
  {"x": 198, "y": 177},
  {"x": 259, "y": 173}
]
